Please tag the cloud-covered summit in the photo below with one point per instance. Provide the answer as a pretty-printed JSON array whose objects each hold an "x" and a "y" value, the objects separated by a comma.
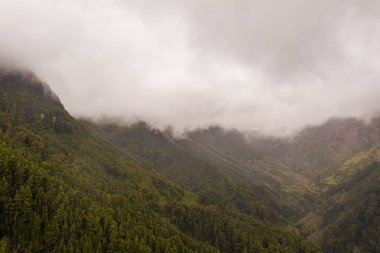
[{"x": 269, "y": 65}]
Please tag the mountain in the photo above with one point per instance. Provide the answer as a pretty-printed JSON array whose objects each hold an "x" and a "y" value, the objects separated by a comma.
[
  {"x": 341, "y": 157},
  {"x": 347, "y": 217},
  {"x": 321, "y": 149},
  {"x": 65, "y": 186},
  {"x": 76, "y": 185},
  {"x": 233, "y": 152},
  {"x": 351, "y": 213},
  {"x": 323, "y": 176},
  {"x": 263, "y": 189},
  {"x": 335, "y": 165}
]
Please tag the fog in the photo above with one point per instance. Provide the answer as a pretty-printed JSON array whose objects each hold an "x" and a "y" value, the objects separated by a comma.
[{"x": 271, "y": 66}]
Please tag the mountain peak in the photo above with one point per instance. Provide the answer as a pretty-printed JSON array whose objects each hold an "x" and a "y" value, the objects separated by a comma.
[{"x": 16, "y": 81}]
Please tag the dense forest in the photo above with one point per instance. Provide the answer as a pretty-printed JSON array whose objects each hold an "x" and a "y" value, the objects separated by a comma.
[
  {"x": 75, "y": 185},
  {"x": 323, "y": 182},
  {"x": 66, "y": 189}
]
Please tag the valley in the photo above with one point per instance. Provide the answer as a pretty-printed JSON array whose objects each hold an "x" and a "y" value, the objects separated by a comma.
[{"x": 78, "y": 185}]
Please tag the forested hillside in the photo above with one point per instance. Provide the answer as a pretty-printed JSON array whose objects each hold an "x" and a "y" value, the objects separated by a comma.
[
  {"x": 325, "y": 176},
  {"x": 341, "y": 157},
  {"x": 207, "y": 126},
  {"x": 347, "y": 217},
  {"x": 262, "y": 189},
  {"x": 71, "y": 185},
  {"x": 65, "y": 189}
]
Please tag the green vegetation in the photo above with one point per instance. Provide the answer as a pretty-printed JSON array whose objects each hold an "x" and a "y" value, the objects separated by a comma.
[
  {"x": 342, "y": 158},
  {"x": 70, "y": 185},
  {"x": 331, "y": 180},
  {"x": 294, "y": 180},
  {"x": 261, "y": 190},
  {"x": 352, "y": 212},
  {"x": 65, "y": 189}
]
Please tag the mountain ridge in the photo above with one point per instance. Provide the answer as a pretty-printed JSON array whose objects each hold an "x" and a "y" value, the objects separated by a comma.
[
  {"x": 76, "y": 185},
  {"x": 352, "y": 147},
  {"x": 64, "y": 189}
]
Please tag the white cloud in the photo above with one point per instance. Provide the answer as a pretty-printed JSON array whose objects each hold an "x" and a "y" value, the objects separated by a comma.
[{"x": 268, "y": 65}]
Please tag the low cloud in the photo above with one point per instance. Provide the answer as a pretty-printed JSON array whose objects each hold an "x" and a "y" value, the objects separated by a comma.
[{"x": 271, "y": 66}]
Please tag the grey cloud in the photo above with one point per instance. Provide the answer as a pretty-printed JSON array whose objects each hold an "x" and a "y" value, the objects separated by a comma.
[{"x": 268, "y": 65}]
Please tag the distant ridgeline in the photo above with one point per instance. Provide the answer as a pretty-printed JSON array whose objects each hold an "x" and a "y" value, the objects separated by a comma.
[{"x": 69, "y": 185}]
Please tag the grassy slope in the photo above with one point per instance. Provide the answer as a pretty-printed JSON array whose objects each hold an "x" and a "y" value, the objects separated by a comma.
[{"x": 347, "y": 217}]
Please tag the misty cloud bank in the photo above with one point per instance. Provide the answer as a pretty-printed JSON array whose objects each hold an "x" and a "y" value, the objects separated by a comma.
[{"x": 269, "y": 65}]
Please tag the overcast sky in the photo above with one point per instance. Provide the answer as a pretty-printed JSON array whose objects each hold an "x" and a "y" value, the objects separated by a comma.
[{"x": 269, "y": 65}]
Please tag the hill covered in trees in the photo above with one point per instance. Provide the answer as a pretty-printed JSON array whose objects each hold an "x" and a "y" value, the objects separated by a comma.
[
  {"x": 66, "y": 189},
  {"x": 323, "y": 181},
  {"x": 69, "y": 185}
]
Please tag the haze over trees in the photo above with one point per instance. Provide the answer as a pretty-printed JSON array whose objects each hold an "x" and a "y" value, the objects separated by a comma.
[
  {"x": 71, "y": 185},
  {"x": 190, "y": 126}
]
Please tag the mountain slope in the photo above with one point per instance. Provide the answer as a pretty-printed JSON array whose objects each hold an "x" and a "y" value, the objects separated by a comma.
[
  {"x": 231, "y": 150},
  {"x": 341, "y": 158},
  {"x": 319, "y": 149},
  {"x": 328, "y": 172},
  {"x": 355, "y": 200},
  {"x": 264, "y": 190},
  {"x": 64, "y": 189},
  {"x": 349, "y": 212}
]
